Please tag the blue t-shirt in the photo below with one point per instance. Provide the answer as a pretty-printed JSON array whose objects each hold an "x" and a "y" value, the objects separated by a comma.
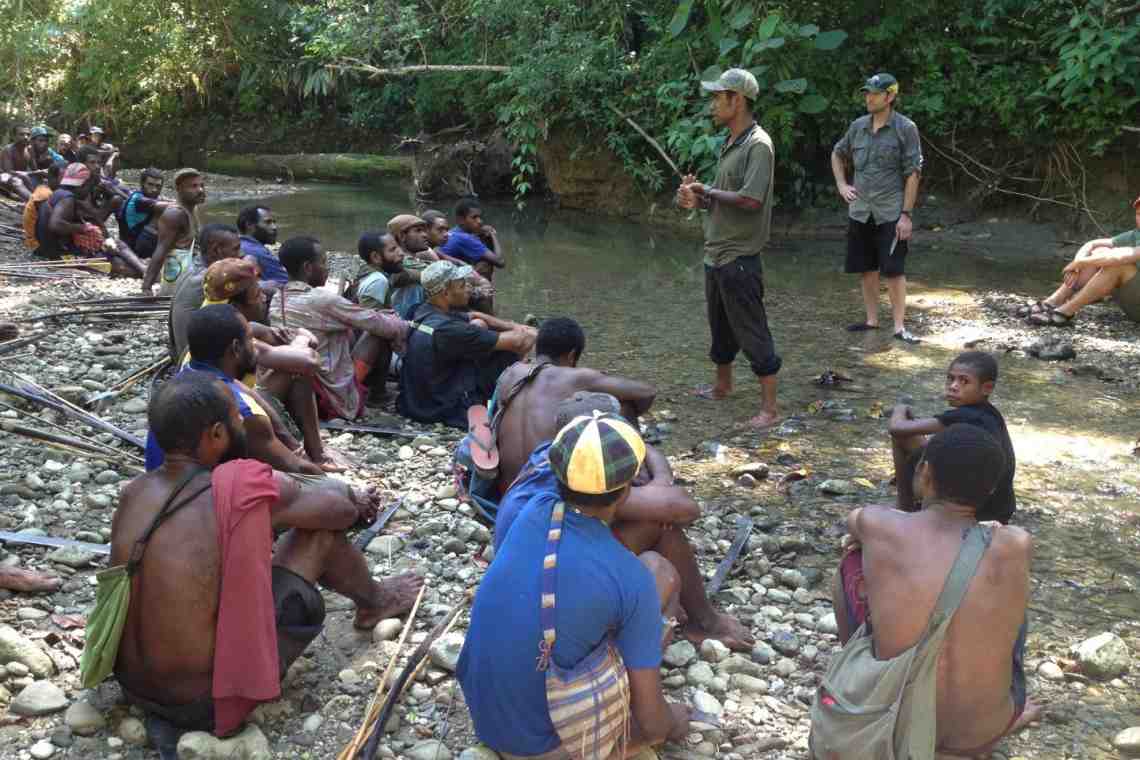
[
  {"x": 602, "y": 589},
  {"x": 464, "y": 245},
  {"x": 155, "y": 456},
  {"x": 267, "y": 261},
  {"x": 534, "y": 478}
]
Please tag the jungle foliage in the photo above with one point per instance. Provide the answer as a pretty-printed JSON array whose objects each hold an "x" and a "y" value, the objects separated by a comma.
[{"x": 999, "y": 83}]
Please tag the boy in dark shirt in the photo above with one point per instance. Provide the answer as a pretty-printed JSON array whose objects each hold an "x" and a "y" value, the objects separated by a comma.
[{"x": 969, "y": 383}]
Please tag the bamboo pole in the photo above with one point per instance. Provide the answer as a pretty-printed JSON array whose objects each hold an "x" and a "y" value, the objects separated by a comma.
[{"x": 79, "y": 436}]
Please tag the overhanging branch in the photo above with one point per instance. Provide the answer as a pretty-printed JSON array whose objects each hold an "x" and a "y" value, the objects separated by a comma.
[{"x": 377, "y": 72}]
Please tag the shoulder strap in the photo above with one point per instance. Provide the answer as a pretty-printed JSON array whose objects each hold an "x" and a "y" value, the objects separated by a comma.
[
  {"x": 168, "y": 509},
  {"x": 974, "y": 545},
  {"x": 549, "y": 582},
  {"x": 515, "y": 390}
]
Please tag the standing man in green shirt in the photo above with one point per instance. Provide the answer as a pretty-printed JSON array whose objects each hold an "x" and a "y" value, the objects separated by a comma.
[
  {"x": 738, "y": 225},
  {"x": 1102, "y": 267},
  {"x": 885, "y": 150}
]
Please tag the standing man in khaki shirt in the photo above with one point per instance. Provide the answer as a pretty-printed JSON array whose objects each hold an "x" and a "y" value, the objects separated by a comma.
[
  {"x": 737, "y": 227},
  {"x": 886, "y": 152}
]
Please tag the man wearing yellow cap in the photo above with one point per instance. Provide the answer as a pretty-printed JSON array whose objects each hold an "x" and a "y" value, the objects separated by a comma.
[
  {"x": 884, "y": 149},
  {"x": 559, "y": 591}
]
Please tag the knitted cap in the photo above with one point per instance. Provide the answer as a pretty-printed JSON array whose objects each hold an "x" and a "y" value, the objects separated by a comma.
[{"x": 597, "y": 453}]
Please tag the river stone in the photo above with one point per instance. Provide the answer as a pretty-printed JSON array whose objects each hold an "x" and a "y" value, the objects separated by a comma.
[
  {"x": 107, "y": 478},
  {"x": 14, "y": 647},
  {"x": 1128, "y": 741},
  {"x": 1105, "y": 656},
  {"x": 478, "y": 753},
  {"x": 250, "y": 744},
  {"x": 405, "y": 453},
  {"x": 785, "y": 643},
  {"x": 136, "y": 405},
  {"x": 83, "y": 719},
  {"x": 836, "y": 487},
  {"x": 16, "y": 670},
  {"x": 432, "y": 749},
  {"x": 312, "y": 723},
  {"x": 387, "y": 630},
  {"x": 793, "y": 579},
  {"x": 679, "y": 654},
  {"x": 34, "y": 481},
  {"x": 763, "y": 654},
  {"x": 42, "y": 749},
  {"x": 700, "y": 674},
  {"x": 1051, "y": 349},
  {"x": 827, "y": 624},
  {"x": 71, "y": 556},
  {"x": 1050, "y": 671},
  {"x": 757, "y": 470},
  {"x": 706, "y": 702},
  {"x": 713, "y": 651},
  {"x": 748, "y": 684},
  {"x": 740, "y": 664},
  {"x": 132, "y": 731},
  {"x": 384, "y": 545},
  {"x": 444, "y": 651},
  {"x": 39, "y": 698}
]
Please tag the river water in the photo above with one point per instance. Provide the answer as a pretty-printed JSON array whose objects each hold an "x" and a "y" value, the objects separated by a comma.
[{"x": 638, "y": 291}]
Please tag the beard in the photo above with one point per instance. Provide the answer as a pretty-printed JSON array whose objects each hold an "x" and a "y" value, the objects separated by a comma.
[
  {"x": 238, "y": 448},
  {"x": 247, "y": 364},
  {"x": 392, "y": 267}
]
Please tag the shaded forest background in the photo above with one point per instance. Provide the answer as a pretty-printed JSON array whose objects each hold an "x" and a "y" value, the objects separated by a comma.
[{"x": 1016, "y": 99}]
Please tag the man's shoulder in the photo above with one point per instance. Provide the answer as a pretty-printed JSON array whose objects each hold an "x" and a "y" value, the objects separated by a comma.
[
  {"x": 1011, "y": 543},
  {"x": 862, "y": 122},
  {"x": 902, "y": 122}
]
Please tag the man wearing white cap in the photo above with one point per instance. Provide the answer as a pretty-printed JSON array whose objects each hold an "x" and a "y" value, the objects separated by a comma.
[
  {"x": 455, "y": 357},
  {"x": 737, "y": 227}
]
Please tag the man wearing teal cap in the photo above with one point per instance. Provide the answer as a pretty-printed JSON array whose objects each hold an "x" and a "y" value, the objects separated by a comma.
[
  {"x": 737, "y": 227},
  {"x": 886, "y": 153}
]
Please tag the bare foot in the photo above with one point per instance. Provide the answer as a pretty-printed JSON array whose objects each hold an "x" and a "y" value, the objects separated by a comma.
[
  {"x": 331, "y": 461},
  {"x": 764, "y": 420},
  {"x": 19, "y": 579},
  {"x": 395, "y": 595},
  {"x": 712, "y": 392},
  {"x": 724, "y": 628},
  {"x": 1031, "y": 713}
]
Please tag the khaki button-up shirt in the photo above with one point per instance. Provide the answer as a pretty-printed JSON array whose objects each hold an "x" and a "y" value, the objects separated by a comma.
[{"x": 882, "y": 160}]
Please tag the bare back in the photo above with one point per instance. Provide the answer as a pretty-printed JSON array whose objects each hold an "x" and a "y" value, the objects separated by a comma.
[
  {"x": 167, "y": 649},
  {"x": 530, "y": 416},
  {"x": 906, "y": 560}
]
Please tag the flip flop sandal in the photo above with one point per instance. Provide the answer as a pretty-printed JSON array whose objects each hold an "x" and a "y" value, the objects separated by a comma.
[
  {"x": 861, "y": 327},
  {"x": 706, "y": 392},
  {"x": 1050, "y": 318},
  {"x": 484, "y": 452},
  {"x": 1031, "y": 308}
]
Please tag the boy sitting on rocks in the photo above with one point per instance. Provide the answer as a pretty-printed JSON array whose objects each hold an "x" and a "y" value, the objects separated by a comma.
[{"x": 969, "y": 384}]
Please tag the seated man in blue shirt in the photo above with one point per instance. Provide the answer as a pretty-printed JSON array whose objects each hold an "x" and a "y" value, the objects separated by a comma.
[
  {"x": 258, "y": 229},
  {"x": 593, "y": 589},
  {"x": 472, "y": 241}
]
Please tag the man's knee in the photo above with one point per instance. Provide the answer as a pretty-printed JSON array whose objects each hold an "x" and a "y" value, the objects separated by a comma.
[
  {"x": 664, "y": 574},
  {"x": 479, "y": 323}
]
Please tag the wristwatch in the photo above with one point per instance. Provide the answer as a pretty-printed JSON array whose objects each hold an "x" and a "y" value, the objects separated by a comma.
[{"x": 907, "y": 212}]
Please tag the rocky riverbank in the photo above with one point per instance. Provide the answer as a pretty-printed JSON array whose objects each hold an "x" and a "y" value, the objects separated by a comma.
[{"x": 795, "y": 489}]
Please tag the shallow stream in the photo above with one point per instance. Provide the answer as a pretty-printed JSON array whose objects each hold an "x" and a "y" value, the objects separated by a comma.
[{"x": 638, "y": 292}]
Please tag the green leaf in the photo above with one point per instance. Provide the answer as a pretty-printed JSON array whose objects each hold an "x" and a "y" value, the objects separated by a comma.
[
  {"x": 798, "y": 86},
  {"x": 680, "y": 17},
  {"x": 830, "y": 40},
  {"x": 727, "y": 45},
  {"x": 768, "y": 28},
  {"x": 814, "y": 103},
  {"x": 716, "y": 30},
  {"x": 711, "y": 74},
  {"x": 775, "y": 42},
  {"x": 741, "y": 18},
  {"x": 807, "y": 30}
]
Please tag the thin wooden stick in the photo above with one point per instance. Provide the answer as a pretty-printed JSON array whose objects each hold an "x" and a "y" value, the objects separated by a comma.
[
  {"x": 72, "y": 433},
  {"x": 370, "y": 748},
  {"x": 403, "y": 71},
  {"x": 651, "y": 141},
  {"x": 12, "y": 345},
  {"x": 74, "y": 443},
  {"x": 373, "y": 708}
]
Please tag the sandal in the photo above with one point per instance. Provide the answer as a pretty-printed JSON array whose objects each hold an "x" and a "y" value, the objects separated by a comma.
[
  {"x": 484, "y": 452},
  {"x": 861, "y": 327},
  {"x": 1032, "y": 308},
  {"x": 1050, "y": 318}
]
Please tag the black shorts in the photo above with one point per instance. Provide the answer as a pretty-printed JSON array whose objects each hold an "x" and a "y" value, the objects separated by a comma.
[
  {"x": 300, "y": 612},
  {"x": 869, "y": 248},
  {"x": 737, "y": 320}
]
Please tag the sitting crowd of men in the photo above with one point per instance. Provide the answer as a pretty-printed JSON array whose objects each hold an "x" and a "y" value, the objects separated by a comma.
[{"x": 593, "y": 575}]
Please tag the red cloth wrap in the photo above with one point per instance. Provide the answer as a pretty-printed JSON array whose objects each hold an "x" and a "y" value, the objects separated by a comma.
[{"x": 245, "y": 653}]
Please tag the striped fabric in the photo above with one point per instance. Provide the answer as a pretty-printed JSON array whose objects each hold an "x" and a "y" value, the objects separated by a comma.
[
  {"x": 597, "y": 453},
  {"x": 588, "y": 703}
]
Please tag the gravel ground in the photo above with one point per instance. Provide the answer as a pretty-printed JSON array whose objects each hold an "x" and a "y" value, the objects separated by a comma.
[{"x": 780, "y": 587}]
